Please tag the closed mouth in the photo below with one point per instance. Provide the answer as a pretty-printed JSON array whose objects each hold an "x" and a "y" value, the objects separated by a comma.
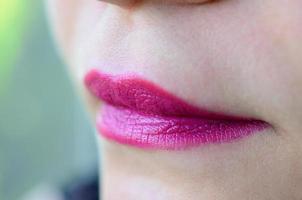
[{"x": 138, "y": 113}]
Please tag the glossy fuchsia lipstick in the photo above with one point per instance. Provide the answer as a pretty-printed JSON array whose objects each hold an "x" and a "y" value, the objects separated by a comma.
[{"x": 139, "y": 113}]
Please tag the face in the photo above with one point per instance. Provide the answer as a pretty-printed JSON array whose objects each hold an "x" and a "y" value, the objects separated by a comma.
[{"x": 238, "y": 57}]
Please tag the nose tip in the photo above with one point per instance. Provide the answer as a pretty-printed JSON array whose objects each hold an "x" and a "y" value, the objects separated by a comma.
[{"x": 131, "y": 3}]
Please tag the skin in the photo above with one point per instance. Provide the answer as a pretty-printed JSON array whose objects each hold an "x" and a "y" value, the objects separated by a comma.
[{"x": 241, "y": 57}]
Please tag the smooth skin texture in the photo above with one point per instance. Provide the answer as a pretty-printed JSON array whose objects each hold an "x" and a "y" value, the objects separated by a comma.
[{"x": 242, "y": 57}]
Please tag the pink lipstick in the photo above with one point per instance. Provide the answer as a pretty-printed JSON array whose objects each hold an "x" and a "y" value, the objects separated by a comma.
[{"x": 139, "y": 113}]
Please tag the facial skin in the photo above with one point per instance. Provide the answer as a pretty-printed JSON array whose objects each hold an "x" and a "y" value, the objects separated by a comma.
[{"x": 242, "y": 57}]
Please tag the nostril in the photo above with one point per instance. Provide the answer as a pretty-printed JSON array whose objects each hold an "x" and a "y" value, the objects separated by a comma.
[
  {"x": 134, "y": 3},
  {"x": 123, "y": 3},
  {"x": 193, "y": 1}
]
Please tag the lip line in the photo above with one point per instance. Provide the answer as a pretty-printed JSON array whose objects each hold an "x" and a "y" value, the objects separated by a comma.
[{"x": 110, "y": 96}]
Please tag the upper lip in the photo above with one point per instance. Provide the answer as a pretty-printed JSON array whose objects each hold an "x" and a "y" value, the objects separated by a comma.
[{"x": 142, "y": 96}]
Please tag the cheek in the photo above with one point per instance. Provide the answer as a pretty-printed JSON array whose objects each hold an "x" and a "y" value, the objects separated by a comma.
[
  {"x": 284, "y": 23},
  {"x": 88, "y": 16},
  {"x": 73, "y": 22},
  {"x": 284, "y": 28},
  {"x": 63, "y": 18}
]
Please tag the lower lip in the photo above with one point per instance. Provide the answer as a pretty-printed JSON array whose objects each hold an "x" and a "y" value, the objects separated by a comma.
[{"x": 149, "y": 131}]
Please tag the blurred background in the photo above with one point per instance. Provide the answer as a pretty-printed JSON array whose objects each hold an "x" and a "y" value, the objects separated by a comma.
[{"x": 46, "y": 140}]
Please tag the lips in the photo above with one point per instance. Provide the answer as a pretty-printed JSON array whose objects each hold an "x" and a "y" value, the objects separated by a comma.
[{"x": 139, "y": 113}]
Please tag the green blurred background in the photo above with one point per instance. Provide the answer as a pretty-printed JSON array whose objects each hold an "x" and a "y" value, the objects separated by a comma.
[{"x": 45, "y": 136}]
